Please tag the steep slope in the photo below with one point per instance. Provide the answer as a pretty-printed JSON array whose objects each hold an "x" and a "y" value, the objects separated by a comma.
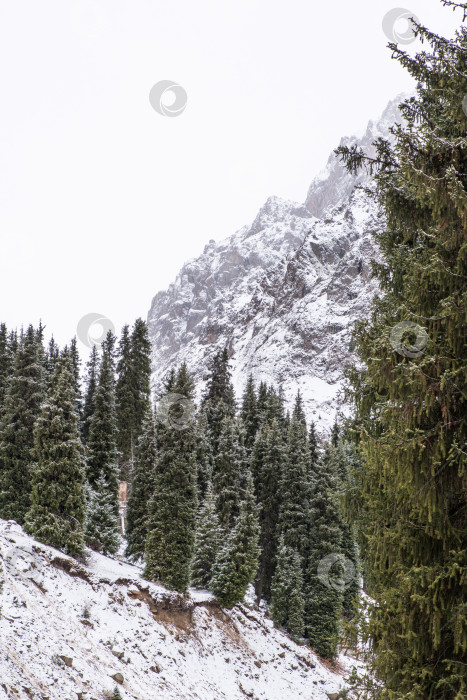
[
  {"x": 70, "y": 631},
  {"x": 281, "y": 294}
]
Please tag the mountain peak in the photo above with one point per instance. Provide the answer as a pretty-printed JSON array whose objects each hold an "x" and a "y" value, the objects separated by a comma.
[{"x": 283, "y": 293}]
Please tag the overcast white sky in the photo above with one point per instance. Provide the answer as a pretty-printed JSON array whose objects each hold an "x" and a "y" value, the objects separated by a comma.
[{"x": 102, "y": 199}]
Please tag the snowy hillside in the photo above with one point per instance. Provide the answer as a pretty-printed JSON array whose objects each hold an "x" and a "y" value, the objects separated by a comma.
[
  {"x": 282, "y": 294},
  {"x": 70, "y": 631}
]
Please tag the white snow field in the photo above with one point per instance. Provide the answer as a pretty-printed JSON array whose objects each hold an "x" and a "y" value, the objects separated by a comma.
[{"x": 73, "y": 632}]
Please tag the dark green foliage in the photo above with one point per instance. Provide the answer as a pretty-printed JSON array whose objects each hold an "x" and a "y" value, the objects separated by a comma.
[
  {"x": 58, "y": 505},
  {"x": 101, "y": 529},
  {"x": 173, "y": 507},
  {"x": 25, "y": 393},
  {"x": 204, "y": 456},
  {"x": 53, "y": 353},
  {"x": 324, "y": 582},
  {"x": 335, "y": 432},
  {"x": 219, "y": 398},
  {"x": 287, "y": 601},
  {"x": 142, "y": 487},
  {"x": 92, "y": 367},
  {"x": 132, "y": 391},
  {"x": 102, "y": 447},
  {"x": 298, "y": 413},
  {"x": 313, "y": 445},
  {"x": 237, "y": 562},
  {"x": 262, "y": 401},
  {"x": 6, "y": 363},
  {"x": 412, "y": 403},
  {"x": 76, "y": 364},
  {"x": 124, "y": 396},
  {"x": 269, "y": 460},
  {"x": 141, "y": 364},
  {"x": 208, "y": 540},
  {"x": 295, "y": 490},
  {"x": 274, "y": 409},
  {"x": 249, "y": 413},
  {"x": 344, "y": 458},
  {"x": 116, "y": 695},
  {"x": 228, "y": 472},
  {"x": 352, "y": 585}
]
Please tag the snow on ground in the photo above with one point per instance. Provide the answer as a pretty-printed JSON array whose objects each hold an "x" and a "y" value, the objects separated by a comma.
[{"x": 67, "y": 629}]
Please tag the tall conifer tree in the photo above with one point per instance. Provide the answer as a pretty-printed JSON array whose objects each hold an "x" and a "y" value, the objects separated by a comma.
[
  {"x": 102, "y": 469},
  {"x": 102, "y": 448},
  {"x": 173, "y": 506},
  {"x": 208, "y": 541},
  {"x": 24, "y": 396},
  {"x": 324, "y": 583},
  {"x": 58, "y": 505},
  {"x": 228, "y": 473},
  {"x": 5, "y": 363},
  {"x": 219, "y": 398},
  {"x": 249, "y": 413},
  {"x": 125, "y": 403},
  {"x": 287, "y": 599},
  {"x": 295, "y": 490},
  {"x": 270, "y": 460},
  {"x": 141, "y": 363},
  {"x": 92, "y": 379},
  {"x": 411, "y": 396},
  {"x": 142, "y": 487},
  {"x": 237, "y": 562}
]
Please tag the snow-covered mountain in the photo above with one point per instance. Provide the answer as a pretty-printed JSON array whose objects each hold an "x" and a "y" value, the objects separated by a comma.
[
  {"x": 282, "y": 293},
  {"x": 74, "y": 632}
]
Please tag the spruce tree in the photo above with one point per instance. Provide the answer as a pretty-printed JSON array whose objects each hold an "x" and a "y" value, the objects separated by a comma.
[
  {"x": 411, "y": 395},
  {"x": 335, "y": 432},
  {"x": 228, "y": 465},
  {"x": 287, "y": 600},
  {"x": 24, "y": 396},
  {"x": 295, "y": 490},
  {"x": 92, "y": 367},
  {"x": 313, "y": 446},
  {"x": 102, "y": 447},
  {"x": 324, "y": 573},
  {"x": 132, "y": 391},
  {"x": 141, "y": 363},
  {"x": 298, "y": 413},
  {"x": 173, "y": 506},
  {"x": 249, "y": 413},
  {"x": 208, "y": 541},
  {"x": 116, "y": 695},
  {"x": 58, "y": 504},
  {"x": 53, "y": 353},
  {"x": 269, "y": 457},
  {"x": 102, "y": 470},
  {"x": 262, "y": 401},
  {"x": 219, "y": 398},
  {"x": 125, "y": 403},
  {"x": 5, "y": 363},
  {"x": 274, "y": 407},
  {"x": 142, "y": 486},
  {"x": 237, "y": 562},
  {"x": 101, "y": 529},
  {"x": 76, "y": 364},
  {"x": 204, "y": 456},
  {"x": 343, "y": 459}
]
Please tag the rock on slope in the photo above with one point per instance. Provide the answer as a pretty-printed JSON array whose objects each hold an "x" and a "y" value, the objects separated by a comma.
[
  {"x": 71, "y": 632},
  {"x": 282, "y": 294}
]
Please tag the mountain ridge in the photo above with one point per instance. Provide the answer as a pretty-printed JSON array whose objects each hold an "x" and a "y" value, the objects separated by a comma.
[{"x": 282, "y": 293}]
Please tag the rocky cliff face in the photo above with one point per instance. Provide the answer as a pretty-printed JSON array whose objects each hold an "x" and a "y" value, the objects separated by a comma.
[{"x": 282, "y": 294}]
